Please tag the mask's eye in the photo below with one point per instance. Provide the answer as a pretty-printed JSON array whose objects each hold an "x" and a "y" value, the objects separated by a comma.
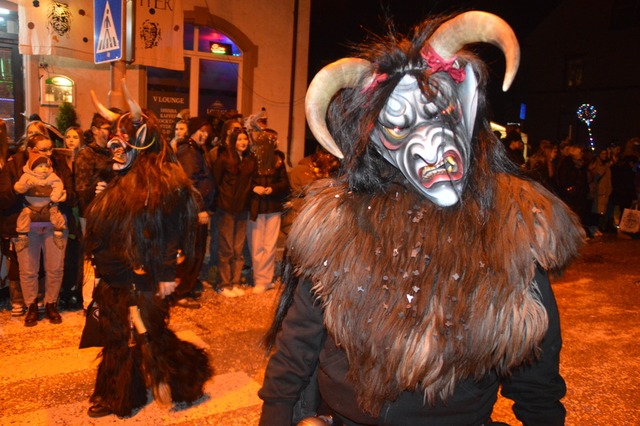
[
  {"x": 397, "y": 133},
  {"x": 432, "y": 112}
]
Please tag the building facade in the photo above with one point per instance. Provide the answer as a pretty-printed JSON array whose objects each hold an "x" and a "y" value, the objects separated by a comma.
[
  {"x": 584, "y": 52},
  {"x": 233, "y": 55}
]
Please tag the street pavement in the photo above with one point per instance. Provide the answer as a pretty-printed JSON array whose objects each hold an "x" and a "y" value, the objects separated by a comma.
[{"x": 46, "y": 380}]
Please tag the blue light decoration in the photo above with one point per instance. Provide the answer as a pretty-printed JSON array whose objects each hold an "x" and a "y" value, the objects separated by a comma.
[{"x": 587, "y": 113}]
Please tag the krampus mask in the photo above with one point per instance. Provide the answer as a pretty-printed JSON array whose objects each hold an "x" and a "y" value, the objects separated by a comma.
[
  {"x": 424, "y": 105},
  {"x": 130, "y": 131}
]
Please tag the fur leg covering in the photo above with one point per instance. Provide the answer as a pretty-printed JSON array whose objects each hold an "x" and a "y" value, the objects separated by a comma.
[
  {"x": 119, "y": 385},
  {"x": 181, "y": 365}
]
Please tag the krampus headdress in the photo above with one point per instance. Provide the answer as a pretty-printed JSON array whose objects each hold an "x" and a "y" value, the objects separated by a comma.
[
  {"x": 150, "y": 185},
  {"x": 423, "y": 251},
  {"x": 138, "y": 229},
  {"x": 130, "y": 131}
]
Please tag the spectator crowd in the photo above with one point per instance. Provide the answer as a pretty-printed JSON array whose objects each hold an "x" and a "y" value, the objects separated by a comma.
[
  {"x": 596, "y": 183},
  {"x": 248, "y": 201},
  {"x": 48, "y": 182}
]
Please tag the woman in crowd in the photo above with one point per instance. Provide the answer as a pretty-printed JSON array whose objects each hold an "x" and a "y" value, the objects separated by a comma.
[
  {"x": 74, "y": 139},
  {"x": 270, "y": 189},
  {"x": 138, "y": 229},
  {"x": 233, "y": 170},
  {"x": 15, "y": 293},
  {"x": 41, "y": 233},
  {"x": 600, "y": 189},
  {"x": 71, "y": 292}
]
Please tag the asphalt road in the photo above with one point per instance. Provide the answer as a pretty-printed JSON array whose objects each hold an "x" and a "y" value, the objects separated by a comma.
[{"x": 46, "y": 380}]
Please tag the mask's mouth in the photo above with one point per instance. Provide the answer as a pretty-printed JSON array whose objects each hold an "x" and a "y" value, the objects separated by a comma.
[
  {"x": 118, "y": 152},
  {"x": 448, "y": 168}
]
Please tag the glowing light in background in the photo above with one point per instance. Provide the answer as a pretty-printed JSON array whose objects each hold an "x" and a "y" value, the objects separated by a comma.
[{"x": 587, "y": 113}]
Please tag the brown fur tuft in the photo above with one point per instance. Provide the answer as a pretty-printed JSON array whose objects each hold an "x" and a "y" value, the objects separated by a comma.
[{"x": 421, "y": 297}]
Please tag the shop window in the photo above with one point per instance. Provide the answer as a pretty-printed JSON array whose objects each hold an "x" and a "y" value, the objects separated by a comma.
[
  {"x": 11, "y": 75},
  {"x": 56, "y": 89},
  {"x": 573, "y": 72},
  {"x": 212, "y": 41},
  {"x": 209, "y": 84}
]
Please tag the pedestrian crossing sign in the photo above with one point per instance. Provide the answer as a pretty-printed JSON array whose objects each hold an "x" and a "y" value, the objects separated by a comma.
[{"x": 107, "y": 30}]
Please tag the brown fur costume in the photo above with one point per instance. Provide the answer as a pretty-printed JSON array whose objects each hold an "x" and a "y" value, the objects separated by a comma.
[
  {"x": 422, "y": 297},
  {"x": 135, "y": 229}
]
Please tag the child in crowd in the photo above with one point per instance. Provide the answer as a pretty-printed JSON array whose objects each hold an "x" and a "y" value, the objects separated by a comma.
[{"x": 43, "y": 189}]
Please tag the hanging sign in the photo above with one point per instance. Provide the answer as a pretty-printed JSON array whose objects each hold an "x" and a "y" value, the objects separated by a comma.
[{"x": 107, "y": 30}]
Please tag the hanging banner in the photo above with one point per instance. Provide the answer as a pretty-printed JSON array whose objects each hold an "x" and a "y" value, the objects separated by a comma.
[
  {"x": 159, "y": 33},
  {"x": 59, "y": 28}
]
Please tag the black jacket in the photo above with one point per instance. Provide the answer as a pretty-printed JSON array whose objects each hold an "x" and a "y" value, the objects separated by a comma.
[
  {"x": 192, "y": 159},
  {"x": 232, "y": 176},
  {"x": 272, "y": 203},
  {"x": 303, "y": 344}
]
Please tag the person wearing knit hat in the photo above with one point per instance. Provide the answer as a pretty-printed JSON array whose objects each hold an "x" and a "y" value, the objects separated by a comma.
[
  {"x": 42, "y": 190},
  {"x": 191, "y": 156},
  {"x": 196, "y": 125}
]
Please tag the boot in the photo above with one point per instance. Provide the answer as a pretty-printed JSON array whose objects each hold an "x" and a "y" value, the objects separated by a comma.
[
  {"x": 32, "y": 315},
  {"x": 51, "y": 312}
]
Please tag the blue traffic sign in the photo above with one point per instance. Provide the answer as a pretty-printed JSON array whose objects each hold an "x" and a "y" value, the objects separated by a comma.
[{"x": 107, "y": 30}]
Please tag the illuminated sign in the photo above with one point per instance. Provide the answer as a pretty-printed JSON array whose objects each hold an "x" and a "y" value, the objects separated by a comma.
[
  {"x": 220, "y": 48},
  {"x": 57, "y": 89}
]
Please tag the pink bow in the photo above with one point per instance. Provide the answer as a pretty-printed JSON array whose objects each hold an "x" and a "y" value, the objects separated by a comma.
[
  {"x": 437, "y": 64},
  {"x": 375, "y": 81}
]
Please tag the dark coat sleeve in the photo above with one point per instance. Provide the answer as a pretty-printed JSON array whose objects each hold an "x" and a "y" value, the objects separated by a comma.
[
  {"x": 196, "y": 168},
  {"x": 11, "y": 203},
  {"x": 537, "y": 389},
  {"x": 66, "y": 176},
  {"x": 8, "y": 177},
  {"x": 298, "y": 347}
]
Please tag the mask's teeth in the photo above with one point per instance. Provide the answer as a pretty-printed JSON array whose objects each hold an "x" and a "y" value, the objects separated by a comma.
[
  {"x": 426, "y": 170},
  {"x": 450, "y": 164}
]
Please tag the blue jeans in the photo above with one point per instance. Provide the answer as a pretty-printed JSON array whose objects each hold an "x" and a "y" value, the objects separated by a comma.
[{"x": 41, "y": 239}]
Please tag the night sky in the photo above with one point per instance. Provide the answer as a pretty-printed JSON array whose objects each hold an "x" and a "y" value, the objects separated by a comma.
[{"x": 335, "y": 24}]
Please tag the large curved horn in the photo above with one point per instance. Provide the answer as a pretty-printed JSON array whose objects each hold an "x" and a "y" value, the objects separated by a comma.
[
  {"x": 134, "y": 108},
  {"x": 473, "y": 27},
  {"x": 341, "y": 74},
  {"x": 105, "y": 112}
]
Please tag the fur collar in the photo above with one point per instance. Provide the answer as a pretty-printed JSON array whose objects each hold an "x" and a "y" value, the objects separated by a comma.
[{"x": 416, "y": 294}]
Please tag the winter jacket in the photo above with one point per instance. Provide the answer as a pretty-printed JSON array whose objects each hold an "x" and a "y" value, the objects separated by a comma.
[
  {"x": 11, "y": 203},
  {"x": 303, "y": 343},
  {"x": 49, "y": 187},
  {"x": 192, "y": 158},
  {"x": 232, "y": 176},
  {"x": 274, "y": 202}
]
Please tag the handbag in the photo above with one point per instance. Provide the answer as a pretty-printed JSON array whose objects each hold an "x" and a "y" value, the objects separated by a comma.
[
  {"x": 630, "y": 220},
  {"x": 92, "y": 333}
]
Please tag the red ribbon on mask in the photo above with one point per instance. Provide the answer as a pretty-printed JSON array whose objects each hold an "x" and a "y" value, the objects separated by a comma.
[
  {"x": 375, "y": 81},
  {"x": 438, "y": 64}
]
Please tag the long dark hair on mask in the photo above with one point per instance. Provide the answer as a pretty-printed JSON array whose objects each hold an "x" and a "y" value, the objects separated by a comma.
[
  {"x": 129, "y": 216},
  {"x": 353, "y": 114}
]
